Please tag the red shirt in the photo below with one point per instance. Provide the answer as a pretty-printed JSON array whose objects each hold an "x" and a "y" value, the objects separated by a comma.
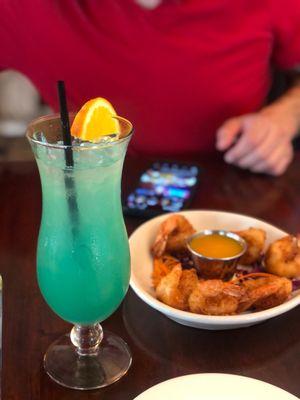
[{"x": 177, "y": 72}]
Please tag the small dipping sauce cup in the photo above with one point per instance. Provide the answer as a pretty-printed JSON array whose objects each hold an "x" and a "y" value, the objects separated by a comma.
[{"x": 216, "y": 253}]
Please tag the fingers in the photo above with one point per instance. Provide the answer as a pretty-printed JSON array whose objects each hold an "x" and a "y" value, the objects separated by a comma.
[
  {"x": 228, "y": 132},
  {"x": 261, "y": 147},
  {"x": 259, "y": 154},
  {"x": 283, "y": 164},
  {"x": 254, "y": 133},
  {"x": 277, "y": 162}
]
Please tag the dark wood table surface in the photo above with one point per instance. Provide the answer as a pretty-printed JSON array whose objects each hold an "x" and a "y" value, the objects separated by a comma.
[{"x": 161, "y": 348}]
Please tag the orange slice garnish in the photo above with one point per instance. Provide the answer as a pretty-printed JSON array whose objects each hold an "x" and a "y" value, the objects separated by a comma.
[{"x": 95, "y": 120}]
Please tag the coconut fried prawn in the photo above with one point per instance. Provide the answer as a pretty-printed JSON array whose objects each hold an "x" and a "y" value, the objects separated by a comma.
[
  {"x": 215, "y": 297},
  {"x": 180, "y": 288},
  {"x": 264, "y": 291},
  {"x": 255, "y": 239},
  {"x": 283, "y": 257},
  {"x": 161, "y": 267},
  {"x": 175, "y": 288},
  {"x": 187, "y": 283},
  {"x": 172, "y": 235}
]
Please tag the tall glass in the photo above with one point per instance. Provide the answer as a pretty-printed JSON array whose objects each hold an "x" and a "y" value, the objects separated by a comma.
[{"x": 83, "y": 262}]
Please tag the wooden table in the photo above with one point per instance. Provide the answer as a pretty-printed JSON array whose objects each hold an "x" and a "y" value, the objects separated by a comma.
[{"x": 161, "y": 348}]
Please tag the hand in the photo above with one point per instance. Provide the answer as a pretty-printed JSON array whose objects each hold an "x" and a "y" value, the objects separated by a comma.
[{"x": 259, "y": 142}]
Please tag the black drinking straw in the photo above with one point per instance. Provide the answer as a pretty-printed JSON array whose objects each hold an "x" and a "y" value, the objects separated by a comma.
[{"x": 65, "y": 124}]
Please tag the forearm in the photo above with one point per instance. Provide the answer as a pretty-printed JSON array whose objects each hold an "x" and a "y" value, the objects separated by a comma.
[{"x": 287, "y": 107}]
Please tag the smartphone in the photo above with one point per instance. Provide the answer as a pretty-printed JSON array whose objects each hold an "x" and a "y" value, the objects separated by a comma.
[{"x": 164, "y": 187}]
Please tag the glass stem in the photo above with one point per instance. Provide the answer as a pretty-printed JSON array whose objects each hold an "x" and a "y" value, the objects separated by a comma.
[{"x": 87, "y": 339}]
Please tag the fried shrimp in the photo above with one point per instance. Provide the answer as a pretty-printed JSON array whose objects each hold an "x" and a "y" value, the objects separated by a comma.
[
  {"x": 172, "y": 235},
  {"x": 175, "y": 288},
  {"x": 161, "y": 267},
  {"x": 264, "y": 291},
  {"x": 187, "y": 283},
  {"x": 215, "y": 297},
  {"x": 283, "y": 257},
  {"x": 177, "y": 284},
  {"x": 255, "y": 239}
]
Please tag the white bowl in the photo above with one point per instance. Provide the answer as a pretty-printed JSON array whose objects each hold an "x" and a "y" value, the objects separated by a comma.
[
  {"x": 142, "y": 266},
  {"x": 214, "y": 387}
]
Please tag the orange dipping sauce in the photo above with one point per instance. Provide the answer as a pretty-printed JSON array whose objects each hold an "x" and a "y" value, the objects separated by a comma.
[{"x": 216, "y": 246}]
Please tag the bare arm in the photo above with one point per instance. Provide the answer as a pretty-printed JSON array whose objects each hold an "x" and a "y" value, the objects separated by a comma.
[
  {"x": 262, "y": 141},
  {"x": 288, "y": 103}
]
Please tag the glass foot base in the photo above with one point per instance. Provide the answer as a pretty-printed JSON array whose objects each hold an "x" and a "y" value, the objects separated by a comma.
[{"x": 66, "y": 367}]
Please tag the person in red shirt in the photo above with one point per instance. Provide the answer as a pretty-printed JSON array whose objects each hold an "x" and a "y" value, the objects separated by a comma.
[{"x": 192, "y": 75}]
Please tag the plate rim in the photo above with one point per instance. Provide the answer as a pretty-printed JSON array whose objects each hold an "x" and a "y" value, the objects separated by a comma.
[{"x": 216, "y": 375}]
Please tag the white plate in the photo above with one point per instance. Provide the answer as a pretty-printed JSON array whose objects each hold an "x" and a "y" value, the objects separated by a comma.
[
  {"x": 142, "y": 266},
  {"x": 214, "y": 387}
]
